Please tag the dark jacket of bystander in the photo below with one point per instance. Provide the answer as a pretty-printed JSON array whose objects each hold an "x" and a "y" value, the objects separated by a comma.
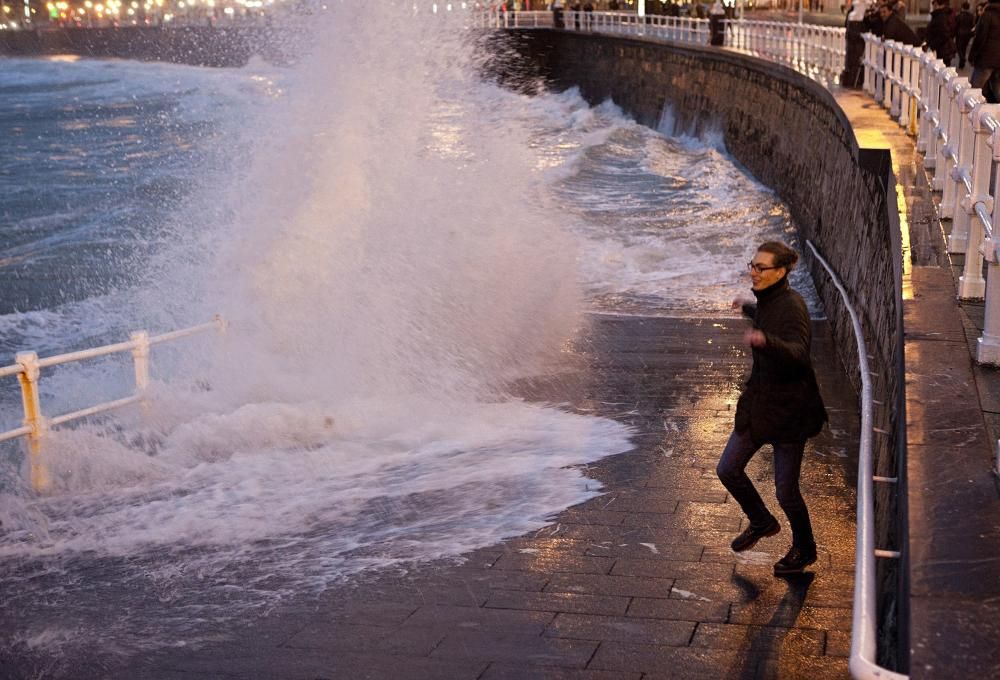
[
  {"x": 940, "y": 37},
  {"x": 894, "y": 28},
  {"x": 984, "y": 52}
]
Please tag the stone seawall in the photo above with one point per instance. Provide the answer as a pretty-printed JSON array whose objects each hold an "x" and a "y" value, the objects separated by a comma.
[
  {"x": 790, "y": 133},
  {"x": 195, "y": 45}
]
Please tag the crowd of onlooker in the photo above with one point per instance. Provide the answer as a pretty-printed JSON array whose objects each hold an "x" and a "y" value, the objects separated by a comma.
[{"x": 971, "y": 37}]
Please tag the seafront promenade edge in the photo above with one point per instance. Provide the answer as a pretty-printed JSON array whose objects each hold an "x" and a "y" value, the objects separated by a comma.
[{"x": 953, "y": 424}]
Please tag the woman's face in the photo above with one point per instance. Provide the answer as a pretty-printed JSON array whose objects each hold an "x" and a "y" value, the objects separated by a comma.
[{"x": 763, "y": 273}]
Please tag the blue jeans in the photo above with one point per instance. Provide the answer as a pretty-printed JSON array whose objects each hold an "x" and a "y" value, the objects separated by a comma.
[{"x": 787, "y": 465}]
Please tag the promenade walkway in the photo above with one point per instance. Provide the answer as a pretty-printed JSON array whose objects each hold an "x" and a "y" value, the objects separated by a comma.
[{"x": 636, "y": 583}]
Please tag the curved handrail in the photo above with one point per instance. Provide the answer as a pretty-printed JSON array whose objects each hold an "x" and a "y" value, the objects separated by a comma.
[{"x": 863, "y": 628}]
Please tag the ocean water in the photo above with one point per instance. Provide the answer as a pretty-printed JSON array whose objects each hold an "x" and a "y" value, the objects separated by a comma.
[{"x": 394, "y": 243}]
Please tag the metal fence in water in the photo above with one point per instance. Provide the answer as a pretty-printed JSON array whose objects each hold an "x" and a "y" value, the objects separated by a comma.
[{"x": 28, "y": 369}]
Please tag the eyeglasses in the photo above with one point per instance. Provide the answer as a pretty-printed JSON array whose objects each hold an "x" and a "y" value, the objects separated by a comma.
[{"x": 752, "y": 266}]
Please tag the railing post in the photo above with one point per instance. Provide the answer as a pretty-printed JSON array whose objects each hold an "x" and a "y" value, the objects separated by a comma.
[
  {"x": 28, "y": 377},
  {"x": 868, "y": 63},
  {"x": 140, "y": 356},
  {"x": 953, "y": 184},
  {"x": 912, "y": 88},
  {"x": 904, "y": 87},
  {"x": 140, "y": 353},
  {"x": 928, "y": 86},
  {"x": 894, "y": 62},
  {"x": 881, "y": 63},
  {"x": 975, "y": 152},
  {"x": 944, "y": 129},
  {"x": 988, "y": 346}
]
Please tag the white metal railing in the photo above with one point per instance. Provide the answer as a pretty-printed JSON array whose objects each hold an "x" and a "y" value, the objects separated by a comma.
[
  {"x": 811, "y": 49},
  {"x": 512, "y": 19},
  {"x": 864, "y": 628},
  {"x": 28, "y": 369},
  {"x": 680, "y": 29},
  {"x": 959, "y": 135}
]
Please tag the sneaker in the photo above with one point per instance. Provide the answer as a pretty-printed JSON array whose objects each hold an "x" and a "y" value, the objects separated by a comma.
[
  {"x": 751, "y": 535},
  {"x": 795, "y": 561}
]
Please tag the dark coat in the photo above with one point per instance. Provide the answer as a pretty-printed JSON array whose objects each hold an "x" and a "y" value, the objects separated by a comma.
[
  {"x": 963, "y": 24},
  {"x": 781, "y": 401},
  {"x": 984, "y": 52},
  {"x": 896, "y": 29},
  {"x": 939, "y": 35},
  {"x": 872, "y": 21}
]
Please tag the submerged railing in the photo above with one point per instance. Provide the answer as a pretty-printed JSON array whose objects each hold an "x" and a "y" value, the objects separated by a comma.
[
  {"x": 959, "y": 135},
  {"x": 28, "y": 369}
]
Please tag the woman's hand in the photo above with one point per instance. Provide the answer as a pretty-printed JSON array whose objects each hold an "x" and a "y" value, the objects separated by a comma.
[{"x": 755, "y": 338}]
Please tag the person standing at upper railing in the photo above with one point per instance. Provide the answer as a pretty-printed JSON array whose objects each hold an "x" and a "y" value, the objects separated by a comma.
[
  {"x": 557, "y": 14},
  {"x": 894, "y": 28},
  {"x": 857, "y": 12},
  {"x": 964, "y": 22},
  {"x": 984, "y": 53},
  {"x": 716, "y": 24},
  {"x": 939, "y": 32},
  {"x": 873, "y": 19}
]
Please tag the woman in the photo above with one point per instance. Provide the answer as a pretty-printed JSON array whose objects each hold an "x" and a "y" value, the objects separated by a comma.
[{"x": 780, "y": 405}]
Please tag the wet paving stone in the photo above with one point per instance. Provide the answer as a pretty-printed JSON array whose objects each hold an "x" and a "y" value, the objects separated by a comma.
[
  {"x": 690, "y": 521},
  {"x": 446, "y": 617},
  {"x": 679, "y": 609},
  {"x": 761, "y": 641},
  {"x": 530, "y": 649},
  {"x": 554, "y": 561},
  {"x": 559, "y": 602},
  {"x": 622, "y": 586},
  {"x": 339, "y": 636},
  {"x": 504, "y": 671},
  {"x": 661, "y": 661},
  {"x": 671, "y": 569},
  {"x": 662, "y": 550},
  {"x": 804, "y": 668},
  {"x": 621, "y": 629}
]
